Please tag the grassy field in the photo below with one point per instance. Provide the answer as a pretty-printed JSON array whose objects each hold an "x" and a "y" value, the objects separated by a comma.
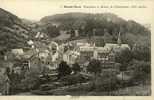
[{"x": 140, "y": 90}]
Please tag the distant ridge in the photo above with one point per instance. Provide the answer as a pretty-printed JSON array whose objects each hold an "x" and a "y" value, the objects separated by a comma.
[{"x": 109, "y": 21}]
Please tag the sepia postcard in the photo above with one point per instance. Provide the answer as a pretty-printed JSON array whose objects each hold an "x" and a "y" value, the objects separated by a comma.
[{"x": 76, "y": 49}]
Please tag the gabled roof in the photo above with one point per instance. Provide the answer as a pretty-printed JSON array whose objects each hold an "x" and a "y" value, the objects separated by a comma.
[{"x": 106, "y": 49}]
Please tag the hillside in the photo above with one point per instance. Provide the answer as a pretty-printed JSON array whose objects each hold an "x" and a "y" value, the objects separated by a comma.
[
  {"x": 85, "y": 23},
  {"x": 13, "y": 32}
]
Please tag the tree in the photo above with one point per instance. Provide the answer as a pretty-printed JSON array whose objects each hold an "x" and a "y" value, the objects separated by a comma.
[
  {"x": 141, "y": 71},
  {"x": 63, "y": 69},
  {"x": 72, "y": 32},
  {"x": 52, "y": 31},
  {"x": 123, "y": 57},
  {"x": 94, "y": 66},
  {"x": 90, "y": 25},
  {"x": 76, "y": 68},
  {"x": 142, "y": 50}
]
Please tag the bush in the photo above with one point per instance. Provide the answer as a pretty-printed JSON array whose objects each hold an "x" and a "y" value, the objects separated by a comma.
[
  {"x": 142, "y": 50},
  {"x": 94, "y": 66},
  {"x": 140, "y": 66},
  {"x": 123, "y": 57},
  {"x": 2, "y": 83},
  {"x": 106, "y": 82},
  {"x": 73, "y": 79},
  {"x": 31, "y": 81},
  {"x": 76, "y": 68},
  {"x": 63, "y": 69},
  {"x": 142, "y": 70}
]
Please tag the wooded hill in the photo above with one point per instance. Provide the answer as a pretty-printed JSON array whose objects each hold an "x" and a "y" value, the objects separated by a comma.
[
  {"x": 13, "y": 32},
  {"x": 85, "y": 22}
]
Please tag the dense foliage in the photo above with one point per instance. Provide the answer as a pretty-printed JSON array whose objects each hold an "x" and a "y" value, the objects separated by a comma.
[
  {"x": 63, "y": 69},
  {"x": 94, "y": 66},
  {"x": 31, "y": 81},
  {"x": 11, "y": 37},
  {"x": 123, "y": 57},
  {"x": 76, "y": 68},
  {"x": 140, "y": 67},
  {"x": 51, "y": 30}
]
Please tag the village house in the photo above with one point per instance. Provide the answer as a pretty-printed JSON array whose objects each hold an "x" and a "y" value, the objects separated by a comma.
[
  {"x": 17, "y": 51},
  {"x": 89, "y": 51},
  {"x": 105, "y": 53},
  {"x": 28, "y": 58},
  {"x": 70, "y": 56}
]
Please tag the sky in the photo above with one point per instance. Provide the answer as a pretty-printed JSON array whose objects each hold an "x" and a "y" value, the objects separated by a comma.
[{"x": 36, "y": 9}]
